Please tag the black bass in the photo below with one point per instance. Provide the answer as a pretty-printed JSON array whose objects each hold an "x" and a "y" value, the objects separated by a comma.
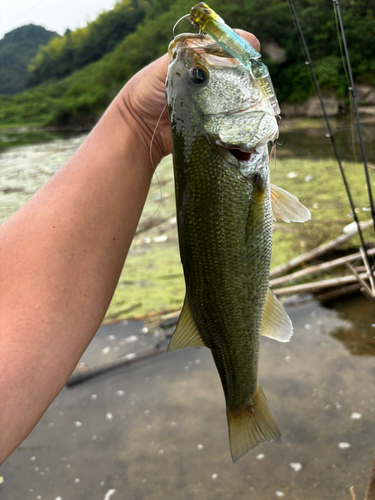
[{"x": 221, "y": 124}]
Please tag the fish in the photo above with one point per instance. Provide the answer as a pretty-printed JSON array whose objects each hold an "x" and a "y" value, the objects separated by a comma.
[{"x": 221, "y": 124}]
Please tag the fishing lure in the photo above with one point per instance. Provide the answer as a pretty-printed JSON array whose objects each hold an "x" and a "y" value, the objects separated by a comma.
[{"x": 211, "y": 23}]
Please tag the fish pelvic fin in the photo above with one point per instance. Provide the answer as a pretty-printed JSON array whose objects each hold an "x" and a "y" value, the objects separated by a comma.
[
  {"x": 250, "y": 425},
  {"x": 287, "y": 207},
  {"x": 276, "y": 323},
  {"x": 186, "y": 333}
]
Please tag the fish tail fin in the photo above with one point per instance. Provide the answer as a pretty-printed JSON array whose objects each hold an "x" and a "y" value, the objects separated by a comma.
[{"x": 250, "y": 425}]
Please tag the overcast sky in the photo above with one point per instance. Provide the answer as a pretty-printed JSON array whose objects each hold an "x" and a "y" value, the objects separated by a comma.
[{"x": 55, "y": 15}]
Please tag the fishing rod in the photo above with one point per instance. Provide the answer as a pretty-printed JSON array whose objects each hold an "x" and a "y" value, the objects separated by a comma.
[
  {"x": 359, "y": 128},
  {"x": 331, "y": 134}
]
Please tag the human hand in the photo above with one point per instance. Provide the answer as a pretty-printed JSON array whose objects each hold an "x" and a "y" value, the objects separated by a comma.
[{"x": 143, "y": 102}]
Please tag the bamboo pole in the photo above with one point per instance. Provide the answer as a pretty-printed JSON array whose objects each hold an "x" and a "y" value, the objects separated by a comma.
[
  {"x": 316, "y": 252},
  {"x": 290, "y": 278},
  {"x": 360, "y": 279},
  {"x": 312, "y": 287}
]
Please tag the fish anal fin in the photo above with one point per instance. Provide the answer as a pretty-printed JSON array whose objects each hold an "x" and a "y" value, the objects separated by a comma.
[
  {"x": 250, "y": 425},
  {"x": 287, "y": 207},
  {"x": 276, "y": 323},
  {"x": 186, "y": 333}
]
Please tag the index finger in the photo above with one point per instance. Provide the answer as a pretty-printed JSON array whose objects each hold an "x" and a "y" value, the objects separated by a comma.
[{"x": 249, "y": 37}]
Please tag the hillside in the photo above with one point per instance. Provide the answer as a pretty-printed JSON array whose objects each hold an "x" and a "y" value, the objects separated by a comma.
[
  {"x": 17, "y": 49},
  {"x": 78, "y": 48},
  {"x": 80, "y": 98}
]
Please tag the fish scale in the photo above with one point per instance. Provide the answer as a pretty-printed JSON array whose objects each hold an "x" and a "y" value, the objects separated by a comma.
[{"x": 226, "y": 291}]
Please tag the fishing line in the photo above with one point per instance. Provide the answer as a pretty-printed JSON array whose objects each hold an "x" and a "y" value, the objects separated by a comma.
[
  {"x": 273, "y": 152},
  {"x": 359, "y": 128},
  {"x": 153, "y": 164},
  {"x": 347, "y": 80},
  {"x": 300, "y": 41},
  {"x": 330, "y": 132}
]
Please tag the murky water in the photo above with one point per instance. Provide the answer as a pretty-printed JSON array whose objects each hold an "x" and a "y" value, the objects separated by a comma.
[
  {"x": 313, "y": 143},
  {"x": 158, "y": 429}
]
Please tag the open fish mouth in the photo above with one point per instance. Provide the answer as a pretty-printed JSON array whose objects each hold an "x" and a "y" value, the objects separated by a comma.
[{"x": 243, "y": 156}]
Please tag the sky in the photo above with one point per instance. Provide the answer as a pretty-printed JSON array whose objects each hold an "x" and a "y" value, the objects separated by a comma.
[{"x": 54, "y": 15}]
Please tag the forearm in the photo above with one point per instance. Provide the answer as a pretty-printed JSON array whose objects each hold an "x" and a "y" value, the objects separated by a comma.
[{"x": 61, "y": 256}]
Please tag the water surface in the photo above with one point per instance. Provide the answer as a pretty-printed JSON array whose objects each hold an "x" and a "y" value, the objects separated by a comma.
[{"x": 158, "y": 430}]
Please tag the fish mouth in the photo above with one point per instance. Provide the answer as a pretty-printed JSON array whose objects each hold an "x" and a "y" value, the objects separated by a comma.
[{"x": 243, "y": 156}]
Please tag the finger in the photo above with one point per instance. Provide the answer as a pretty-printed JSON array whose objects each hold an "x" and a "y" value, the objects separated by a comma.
[{"x": 252, "y": 39}]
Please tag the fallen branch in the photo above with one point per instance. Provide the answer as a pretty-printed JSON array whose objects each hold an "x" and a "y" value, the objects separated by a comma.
[
  {"x": 317, "y": 285},
  {"x": 316, "y": 252},
  {"x": 290, "y": 278},
  {"x": 81, "y": 376},
  {"x": 360, "y": 279}
]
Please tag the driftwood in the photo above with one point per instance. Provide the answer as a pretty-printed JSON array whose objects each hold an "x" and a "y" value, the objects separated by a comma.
[
  {"x": 290, "y": 278},
  {"x": 316, "y": 252},
  {"x": 360, "y": 279},
  {"x": 317, "y": 285},
  {"x": 81, "y": 376}
]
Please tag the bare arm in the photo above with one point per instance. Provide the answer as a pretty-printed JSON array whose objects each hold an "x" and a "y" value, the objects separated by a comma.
[{"x": 62, "y": 253}]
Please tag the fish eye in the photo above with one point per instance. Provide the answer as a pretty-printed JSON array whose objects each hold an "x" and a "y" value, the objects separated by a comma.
[
  {"x": 206, "y": 10},
  {"x": 197, "y": 75}
]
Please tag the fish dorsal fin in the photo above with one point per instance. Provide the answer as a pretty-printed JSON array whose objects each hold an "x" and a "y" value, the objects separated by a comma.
[
  {"x": 186, "y": 333},
  {"x": 276, "y": 323},
  {"x": 287, "y": 207}
]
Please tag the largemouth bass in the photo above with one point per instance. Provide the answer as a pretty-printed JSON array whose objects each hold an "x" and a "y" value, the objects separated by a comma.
[{"x": 221, "y": 123}]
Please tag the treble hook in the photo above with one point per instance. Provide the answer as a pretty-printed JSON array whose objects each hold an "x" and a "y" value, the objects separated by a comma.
[{"x": 188, "y": 20}]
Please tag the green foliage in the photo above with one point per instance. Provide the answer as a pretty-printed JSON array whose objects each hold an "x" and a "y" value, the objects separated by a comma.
[
  {"x": 81, "y": 97},
  {"x": 78, "y": 48},
  {"x": 17, "y": 49}
]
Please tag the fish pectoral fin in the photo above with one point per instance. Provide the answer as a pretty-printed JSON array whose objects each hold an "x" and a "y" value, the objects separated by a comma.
[
  {"x": 186, "y": 333},
  {"x": 276, "y": 323},
  {"x": 287, "y": 207},
  {"x": 250, "y": 425}
]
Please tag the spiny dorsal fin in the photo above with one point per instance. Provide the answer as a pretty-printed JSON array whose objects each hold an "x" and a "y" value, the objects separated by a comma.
[
  {"x": 288, "y": 207},
  {"x": 186, "y": 333},
  {"x": 276, "y": 323},
  {"x": 250, "y": 425}
]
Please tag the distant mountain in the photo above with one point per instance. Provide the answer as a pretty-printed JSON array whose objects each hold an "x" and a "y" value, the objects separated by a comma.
[
  {"x": 78, "y": 48},
  {"x": 17, "y": 49}
]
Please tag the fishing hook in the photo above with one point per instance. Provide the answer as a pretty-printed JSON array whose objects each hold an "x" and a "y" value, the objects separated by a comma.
[
  {"x": 188, "y": 20},
  {"x": 272, "y": 143}
]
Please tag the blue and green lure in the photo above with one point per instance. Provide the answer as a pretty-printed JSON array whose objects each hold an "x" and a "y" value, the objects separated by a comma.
[{"x": 211, "y": 23}]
